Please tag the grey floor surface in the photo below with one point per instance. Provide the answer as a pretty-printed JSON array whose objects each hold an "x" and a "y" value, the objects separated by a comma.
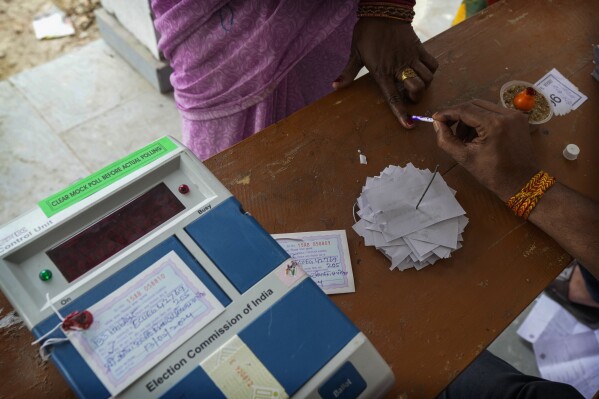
[{"x": 67, "y": 118}]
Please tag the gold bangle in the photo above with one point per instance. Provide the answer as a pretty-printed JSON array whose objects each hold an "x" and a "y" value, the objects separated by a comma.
[
  {"x": 526, "y": 199},
  {"x": 386, "y": 10}
]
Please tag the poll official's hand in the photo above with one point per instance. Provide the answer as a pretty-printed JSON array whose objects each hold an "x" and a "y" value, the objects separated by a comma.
[
  {"x": 386, "y": 47},
  {"x": 493, "y": 143}
]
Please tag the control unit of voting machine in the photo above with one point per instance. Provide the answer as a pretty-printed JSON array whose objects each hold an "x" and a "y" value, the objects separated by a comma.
[{"x": 148, "y": 279}]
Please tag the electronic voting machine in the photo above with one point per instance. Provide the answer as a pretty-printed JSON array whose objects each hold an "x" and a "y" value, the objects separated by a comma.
[{"x": 148, "y": 279}]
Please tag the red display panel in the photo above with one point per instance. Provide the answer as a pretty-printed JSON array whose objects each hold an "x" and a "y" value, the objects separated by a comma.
[{"x": 115, "y": 232}]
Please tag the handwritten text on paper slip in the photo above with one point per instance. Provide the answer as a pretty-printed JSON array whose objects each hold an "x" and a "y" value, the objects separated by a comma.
[
  {"x": 324, "y": 256},
  {"x": 143, "y": 321},
  {"x": 564, "y": 96}
]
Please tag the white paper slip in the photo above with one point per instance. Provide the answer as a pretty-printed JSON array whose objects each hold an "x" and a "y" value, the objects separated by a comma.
[
  {"x": 444, "y": 233},
  {"x": 53, "y": 24},
  {"x": 143, "y": 321},
  {"x": 565, "y": 349},
  {"x": 549, "y": 320},
  {"x": 573, "y": 359},
  {"x": 564, "y": 96},
  {"x": 324, "y": 256},
  {"x": 411, "y": 215}
]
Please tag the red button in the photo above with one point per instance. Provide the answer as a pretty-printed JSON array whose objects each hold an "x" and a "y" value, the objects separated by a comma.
[{"x": 183, "y": 188}]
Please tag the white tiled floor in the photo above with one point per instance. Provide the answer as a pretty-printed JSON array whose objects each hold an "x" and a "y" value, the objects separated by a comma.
[
  {"x": 67, "y": 118},
  {"x": 79, "y": 86}
]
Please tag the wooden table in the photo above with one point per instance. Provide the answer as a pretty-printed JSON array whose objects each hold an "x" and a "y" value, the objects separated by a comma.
[{"x": 303, "y": 174}]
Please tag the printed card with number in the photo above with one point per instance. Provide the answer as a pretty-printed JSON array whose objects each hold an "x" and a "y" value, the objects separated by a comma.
[
  {"x": 564, "y": 96},
  {"x": 324, "y": 256}
]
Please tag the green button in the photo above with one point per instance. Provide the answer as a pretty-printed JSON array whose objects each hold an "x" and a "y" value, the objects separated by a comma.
[{"x": 45, "y": 275}]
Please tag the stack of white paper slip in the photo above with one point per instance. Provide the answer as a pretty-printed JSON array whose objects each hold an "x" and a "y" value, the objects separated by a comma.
[{"x": 410, "y": 237}]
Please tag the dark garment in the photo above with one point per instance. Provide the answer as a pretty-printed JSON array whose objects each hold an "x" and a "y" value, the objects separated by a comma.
[
  {"x": 591, "y": 282},
  {"x": 489, "y": 377}
]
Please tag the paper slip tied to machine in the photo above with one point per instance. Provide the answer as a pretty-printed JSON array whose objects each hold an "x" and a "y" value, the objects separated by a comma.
[{"x": 143, "y": 321}]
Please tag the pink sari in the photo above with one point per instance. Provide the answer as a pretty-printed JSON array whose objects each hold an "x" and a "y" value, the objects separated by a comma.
[{"x": 242, "y": 65}]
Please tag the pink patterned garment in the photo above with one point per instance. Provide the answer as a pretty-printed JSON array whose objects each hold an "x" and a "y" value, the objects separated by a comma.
[{"x": 242, "y": 65}]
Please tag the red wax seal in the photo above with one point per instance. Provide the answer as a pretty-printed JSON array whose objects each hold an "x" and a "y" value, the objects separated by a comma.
[{"x": 78, "y": 321}]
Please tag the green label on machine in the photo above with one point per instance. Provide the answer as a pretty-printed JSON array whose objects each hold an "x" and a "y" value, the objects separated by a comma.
[{"x": 106, "y": 176}]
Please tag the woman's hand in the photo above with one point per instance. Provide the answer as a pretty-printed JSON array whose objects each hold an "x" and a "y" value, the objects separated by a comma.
[{"x": 388, "y": 48}]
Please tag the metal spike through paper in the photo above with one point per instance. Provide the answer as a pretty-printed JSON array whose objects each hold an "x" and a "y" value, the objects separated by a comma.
[{"x": 406, "y": 235}]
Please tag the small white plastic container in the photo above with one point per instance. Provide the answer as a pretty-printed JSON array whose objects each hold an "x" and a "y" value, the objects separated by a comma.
[
  {"x": 571, "y": 152},
  {"x": 511, "y": 83}
]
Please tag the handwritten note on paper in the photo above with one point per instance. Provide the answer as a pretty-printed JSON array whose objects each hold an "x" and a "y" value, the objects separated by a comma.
[
  {"x": 324, "y": 256},
  {"x": 573, "y": 359},
  {"x": 238, "y": 373},
  {"x": 565, "y": 349},
  {"x": 564, "y": 96},
  {"x": 143, "y": 321}
]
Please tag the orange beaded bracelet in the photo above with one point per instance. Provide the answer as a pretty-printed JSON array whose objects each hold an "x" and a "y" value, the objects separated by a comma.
[{"x": 524, "y": 201}]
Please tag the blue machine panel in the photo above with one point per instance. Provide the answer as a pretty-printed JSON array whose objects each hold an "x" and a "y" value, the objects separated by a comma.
[
  {"x": 195, "y": 385},
  {"x": 294, "y": 339},
  {"x": 72, "y": 366},
  {"x": 242, "y": 250},
  {"x": 346, "y": 383},
  {"x": 298, "y": 335}
]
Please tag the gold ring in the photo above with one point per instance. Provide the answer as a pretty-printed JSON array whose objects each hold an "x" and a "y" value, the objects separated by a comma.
[{"x": 408, "y": 73}]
